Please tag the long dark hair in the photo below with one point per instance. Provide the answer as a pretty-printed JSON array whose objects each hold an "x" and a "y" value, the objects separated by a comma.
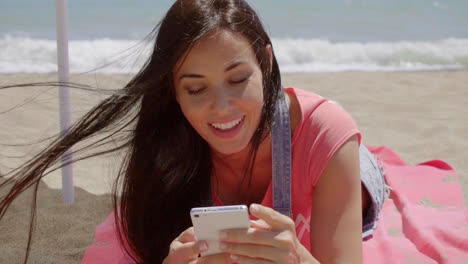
[{"x": 167, "y": 167}]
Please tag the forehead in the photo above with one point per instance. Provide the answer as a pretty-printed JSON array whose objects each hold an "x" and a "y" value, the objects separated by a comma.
[{"x": 219, "y": 49}]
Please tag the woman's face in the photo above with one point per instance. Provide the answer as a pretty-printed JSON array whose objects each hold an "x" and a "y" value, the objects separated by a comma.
[{"x": 219, "y": 89}]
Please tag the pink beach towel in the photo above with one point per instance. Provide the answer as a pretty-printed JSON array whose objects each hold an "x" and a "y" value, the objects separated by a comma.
[{"x": 424, "y": 221}]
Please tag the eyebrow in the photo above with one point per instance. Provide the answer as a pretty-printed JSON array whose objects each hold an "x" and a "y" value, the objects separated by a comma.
[{"x": 192, "y": 75}]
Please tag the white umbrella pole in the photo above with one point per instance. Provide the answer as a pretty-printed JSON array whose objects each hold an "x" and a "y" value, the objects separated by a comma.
[{"x": 68, "y": 192}]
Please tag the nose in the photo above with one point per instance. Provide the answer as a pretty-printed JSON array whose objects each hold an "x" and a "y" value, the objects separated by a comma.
[{"x": 222, "y": 100}]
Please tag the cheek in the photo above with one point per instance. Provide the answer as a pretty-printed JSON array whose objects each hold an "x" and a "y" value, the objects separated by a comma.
[
  {"x": 189, "y": 115},
  {"x": 192, "y": 113},
  {"x": 254, "y": 96}
]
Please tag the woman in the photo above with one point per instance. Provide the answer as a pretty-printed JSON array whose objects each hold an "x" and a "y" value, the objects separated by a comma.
[{"x": 201, "y": 113}]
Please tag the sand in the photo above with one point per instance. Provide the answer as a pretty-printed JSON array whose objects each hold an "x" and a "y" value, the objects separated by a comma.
[{"x": 421, "y": 115}]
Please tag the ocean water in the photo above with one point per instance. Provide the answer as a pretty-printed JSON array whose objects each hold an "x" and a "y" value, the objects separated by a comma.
[{"x": 307, "y": 35}]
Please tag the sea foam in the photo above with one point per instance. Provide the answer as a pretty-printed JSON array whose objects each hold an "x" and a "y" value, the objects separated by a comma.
[{"x": 28, "y": 55}]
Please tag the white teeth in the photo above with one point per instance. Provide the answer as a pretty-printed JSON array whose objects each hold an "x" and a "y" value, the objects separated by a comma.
[{"x": 225, "y": 126}]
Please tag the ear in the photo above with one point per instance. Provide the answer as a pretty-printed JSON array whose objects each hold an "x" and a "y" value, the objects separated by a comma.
[{"x": 270, "y": 55}]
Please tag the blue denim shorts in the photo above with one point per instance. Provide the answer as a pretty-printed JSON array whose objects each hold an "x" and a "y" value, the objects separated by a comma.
[{"x": 373, "y": 179}]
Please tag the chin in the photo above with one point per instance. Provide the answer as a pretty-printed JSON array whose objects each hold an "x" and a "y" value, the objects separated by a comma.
[{"x": 229, "y": 150}]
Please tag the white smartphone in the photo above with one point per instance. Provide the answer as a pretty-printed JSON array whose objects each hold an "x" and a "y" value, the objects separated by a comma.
[{"x": 208, "y": 221}]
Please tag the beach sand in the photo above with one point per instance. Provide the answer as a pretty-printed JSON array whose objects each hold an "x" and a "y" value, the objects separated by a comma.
[{"x": 420, "y": 115}]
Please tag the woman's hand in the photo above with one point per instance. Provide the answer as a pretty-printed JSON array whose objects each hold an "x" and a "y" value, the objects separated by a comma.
[
  {"x": 271, "y": 239},
  {"x": 186, "y": 249}
]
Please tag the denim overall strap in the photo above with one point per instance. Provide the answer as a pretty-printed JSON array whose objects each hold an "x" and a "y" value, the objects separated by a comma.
[{"x": 281, "y": 165}]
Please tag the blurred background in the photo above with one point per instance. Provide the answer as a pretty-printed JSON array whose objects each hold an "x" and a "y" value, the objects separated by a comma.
[
  {"x": 399, "y": 67},
  {"x": 308, "y": 36}
]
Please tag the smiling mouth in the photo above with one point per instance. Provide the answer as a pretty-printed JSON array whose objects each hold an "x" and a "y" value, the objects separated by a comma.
[{"x": 224, "y": 127}]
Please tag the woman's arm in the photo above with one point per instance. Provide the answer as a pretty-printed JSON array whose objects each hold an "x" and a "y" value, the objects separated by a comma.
[{"x": 336, "y": 222}]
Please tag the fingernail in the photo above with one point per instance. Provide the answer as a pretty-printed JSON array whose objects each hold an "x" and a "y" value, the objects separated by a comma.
[
  {"x": 254, "y": 208},
  {"x": 203, "y": 247},
  {"x": 234, "y": 257},
  {"x": 222, "y": 246},
  {"x": 222, "y": 235}
]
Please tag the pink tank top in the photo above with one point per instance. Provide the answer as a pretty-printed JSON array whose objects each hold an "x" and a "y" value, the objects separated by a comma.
[{"x": 323, "y": 128}]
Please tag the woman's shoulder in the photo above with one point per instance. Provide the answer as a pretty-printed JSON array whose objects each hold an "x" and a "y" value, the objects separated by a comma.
[
  {"x": 316, "y": 112},
  {"x": 307, "y": 100},
  {"x": 323, "y": 128}
]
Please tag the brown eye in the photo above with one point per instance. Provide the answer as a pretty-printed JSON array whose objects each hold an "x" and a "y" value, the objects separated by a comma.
[
  {"x": 239, "y": 81},
  {"x": 195, "y": 91}
]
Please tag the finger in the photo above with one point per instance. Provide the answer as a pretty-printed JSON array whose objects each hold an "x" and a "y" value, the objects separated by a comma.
[
  {"x": 254, "y": 251},
  {"x": 251, "y": 236},
  {"x": 260, "y": 224},
  {"x": 247, "y": 260},
  {"x": 275, "y": 219},
  {"x": 187, "y": 251},
  {"x": 188, "y": 235},
  {"x": 215, "y": 258}
]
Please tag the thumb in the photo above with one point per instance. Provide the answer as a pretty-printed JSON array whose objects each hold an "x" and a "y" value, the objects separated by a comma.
[
  {"x": 260, "y": 224},
  {"x": 273, "y": 218}
]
